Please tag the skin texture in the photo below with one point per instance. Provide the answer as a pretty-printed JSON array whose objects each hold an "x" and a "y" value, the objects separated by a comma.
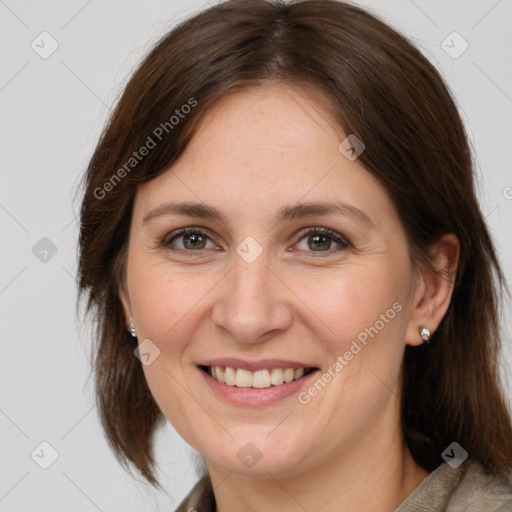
[{"x": 255, "y": 152}]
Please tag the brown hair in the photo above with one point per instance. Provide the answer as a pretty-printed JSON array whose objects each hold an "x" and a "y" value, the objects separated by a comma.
[{"x": 382, "y": 89}]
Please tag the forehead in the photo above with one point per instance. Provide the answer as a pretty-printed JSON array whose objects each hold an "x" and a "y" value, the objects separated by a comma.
[
  {"x": 269, "y": 121},
  {"x": 271, "y": 145}
]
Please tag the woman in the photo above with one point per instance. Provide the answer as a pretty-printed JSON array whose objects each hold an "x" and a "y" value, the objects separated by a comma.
[{"x": 282, "y": 247}]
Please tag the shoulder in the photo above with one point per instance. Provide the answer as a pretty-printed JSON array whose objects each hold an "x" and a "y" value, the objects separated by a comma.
[
  {"x": 480, "y": 490},
  {"x": 200, "y": 498},
  {"x": 468, "y": 488}
]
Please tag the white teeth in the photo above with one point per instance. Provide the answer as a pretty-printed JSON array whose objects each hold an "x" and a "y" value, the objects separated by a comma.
[
  {"x": 219, "y": 374},
  {"x": 299, "y": 372},
  {"x": 288, "y": 374},
  {"x": 243, "y": 378},
  {"x": 259, "y": 379},
  {"x": 230, "y": 375},
  {"x": 276, "y": 376}
]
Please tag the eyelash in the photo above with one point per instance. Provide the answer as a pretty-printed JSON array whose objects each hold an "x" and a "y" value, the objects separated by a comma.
[{"x": 342, "y": 242}]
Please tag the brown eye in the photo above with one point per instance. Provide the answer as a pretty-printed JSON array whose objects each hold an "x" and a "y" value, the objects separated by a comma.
[
  {"x": 187, "y": 239},
  {"x": 194, "y": 241},
  {"x": 319, "y": 242},
  {"x": 322, "y": 240}
]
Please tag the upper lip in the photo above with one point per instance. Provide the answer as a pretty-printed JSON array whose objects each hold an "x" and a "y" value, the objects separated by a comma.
[{"x": 253, "y": 366}]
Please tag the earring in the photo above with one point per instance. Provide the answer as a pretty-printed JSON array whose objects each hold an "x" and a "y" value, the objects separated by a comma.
[
  {"x": 131, "y": 328},
  {"x": 425, "y": 334}
]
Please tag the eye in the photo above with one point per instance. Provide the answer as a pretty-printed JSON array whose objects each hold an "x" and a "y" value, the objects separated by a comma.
[
  {"x": 188, "y": 239},
  {"x": 314, "y": 239},
  {"x": 321, "y": 240}
]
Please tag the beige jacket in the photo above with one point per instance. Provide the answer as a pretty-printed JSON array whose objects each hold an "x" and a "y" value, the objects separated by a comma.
[{"x": 465, "y": 489}]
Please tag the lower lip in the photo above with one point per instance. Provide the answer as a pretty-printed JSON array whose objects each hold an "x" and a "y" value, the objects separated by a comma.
[{"x": 256, "y": 396}]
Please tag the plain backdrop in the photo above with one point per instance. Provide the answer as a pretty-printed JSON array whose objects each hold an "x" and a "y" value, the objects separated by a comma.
[{"x": 52, "y": 110}]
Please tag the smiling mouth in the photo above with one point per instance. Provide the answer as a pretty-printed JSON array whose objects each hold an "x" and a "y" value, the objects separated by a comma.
[{"x": 260, "y": 379}]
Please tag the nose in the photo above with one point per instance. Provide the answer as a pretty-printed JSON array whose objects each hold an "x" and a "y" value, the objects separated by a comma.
[{"x": 251, "y": 303}]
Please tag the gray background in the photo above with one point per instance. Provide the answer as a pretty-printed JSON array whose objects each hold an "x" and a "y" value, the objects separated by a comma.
[{"x": 52, "y": 110}]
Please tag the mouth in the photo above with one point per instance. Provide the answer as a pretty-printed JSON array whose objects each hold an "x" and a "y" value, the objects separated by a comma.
[
  {"x": 259, "y": 379},
  {"x": 259, "y": 383}
]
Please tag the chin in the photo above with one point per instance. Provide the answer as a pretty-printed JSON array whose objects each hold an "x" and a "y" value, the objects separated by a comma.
[{"x": 259, "y": 454}]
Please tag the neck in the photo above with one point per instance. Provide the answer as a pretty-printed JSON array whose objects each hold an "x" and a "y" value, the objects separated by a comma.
[{"x": 378, "y": 474}]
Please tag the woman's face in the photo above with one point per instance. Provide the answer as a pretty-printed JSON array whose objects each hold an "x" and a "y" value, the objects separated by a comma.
[{"x": 294, "y": 258}]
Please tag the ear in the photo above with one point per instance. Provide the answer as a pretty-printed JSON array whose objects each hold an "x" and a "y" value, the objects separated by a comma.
[
  {"x": 125, "y": 301},
  {"x": 434, "y": 288}
]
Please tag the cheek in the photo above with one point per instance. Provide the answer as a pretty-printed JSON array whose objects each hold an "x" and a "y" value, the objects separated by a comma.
[
  {"x": 165, "y": 308},
  {"x": 162, "y": 300},
  {"x": 363, "y": 311},
  {"x": 352, "y": 301}
]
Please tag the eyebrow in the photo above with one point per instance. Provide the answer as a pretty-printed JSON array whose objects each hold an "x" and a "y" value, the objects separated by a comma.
[{"x": 288, "y": 212}]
